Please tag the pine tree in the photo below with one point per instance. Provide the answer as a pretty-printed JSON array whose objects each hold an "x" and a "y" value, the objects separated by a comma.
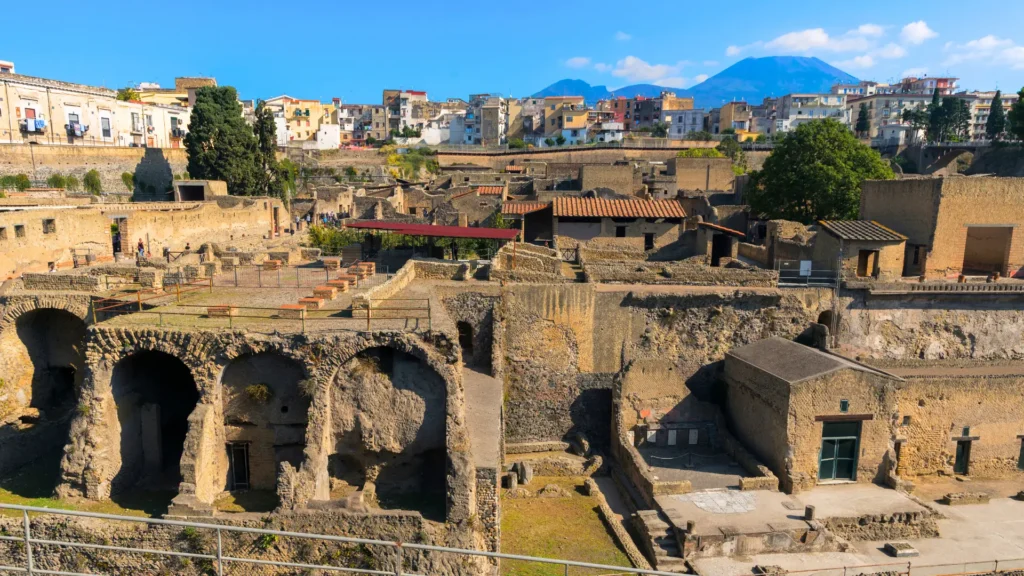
[
  {"x": 863, "y": 126},
  {"x": 996, "y": 123},
  {"x": 935, "y": 120}
]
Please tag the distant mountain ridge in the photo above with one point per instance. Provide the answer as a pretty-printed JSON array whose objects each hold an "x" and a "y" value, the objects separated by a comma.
[{"x": 750, "y": 79}]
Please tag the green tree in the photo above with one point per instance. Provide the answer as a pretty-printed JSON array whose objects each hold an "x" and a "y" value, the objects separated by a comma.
[
  {"x": 700, "y": 136},
  {"x": 128, "y": 94},
  {"x": 815, "y": 173},
  {"x": 761, "y": 139},
  {"x": 863, "y": 121},
  {"x": 71, "y": 184},
  {"x": 92, "y": 182},
  {"x": 549, "y": 142},
  {"x": 57, "y": 180},
  {"x": 1016, "y": 117},
  {"x": 560, "y": 140},
  {"x": 936, "y": 120},
  {"x": 996, "y": 123},
  {"x": 128, "y": 179},
  {"x": 730, "y": 148},
  {"x": 221, "y": 145},
  {"x": 659, "y": 130},
  {"x": 22, "y": 183},
  {"x": 516, "y": 143},
  {"x": 269, "y": 174},
  {"x": 700, "y": 153}
]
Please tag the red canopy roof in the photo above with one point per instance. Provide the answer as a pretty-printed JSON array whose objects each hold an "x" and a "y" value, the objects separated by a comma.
[{"x": 437, "y": 231}]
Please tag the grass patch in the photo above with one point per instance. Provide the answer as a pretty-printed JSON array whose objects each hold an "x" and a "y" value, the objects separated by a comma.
[
  {"x": 563, "y": 528},
  {"x": 247, "y": 501}
]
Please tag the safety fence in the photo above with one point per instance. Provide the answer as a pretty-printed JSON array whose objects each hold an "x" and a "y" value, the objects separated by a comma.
[
  {"x": 35, "y": 554},
  {"x": 131, "y": 301},
  {"x": 807, "y": 273},
  {"x": 255, "y": 276}
]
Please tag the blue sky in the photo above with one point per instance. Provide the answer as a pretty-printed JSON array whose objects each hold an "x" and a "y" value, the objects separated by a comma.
[{"x": 354, "y": 50}]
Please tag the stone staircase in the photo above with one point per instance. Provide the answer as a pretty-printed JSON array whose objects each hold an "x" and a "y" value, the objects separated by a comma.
[{"x": 659, "y": 541}]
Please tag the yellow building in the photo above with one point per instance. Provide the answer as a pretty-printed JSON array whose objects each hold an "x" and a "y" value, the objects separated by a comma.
[
  {"x": 669, "y": 101},
  {"x": 183, "y": 93},
  {"x": 735, "y": 115},
  {"x": 304, "y": 117},
  {"x": 561, "y": 109}
]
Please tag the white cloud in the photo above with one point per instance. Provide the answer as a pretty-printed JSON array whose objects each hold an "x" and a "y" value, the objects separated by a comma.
[
  {"x": 622, "y": 36},
  {"x": 870, "y": 30},
  {"x": 917, "y": 32},
  {"x": 733, "y": 50},
  {"x": 711, "y": 62},
  {"x": 636, "y": 70},
  {"x": 988, "y": 49},
  {"x": 699, "y": 78},
  {"x": 861, "y": 62},
  {"x": 891, "y": 51},
  {"x": 602, "y": 67},
  {"x": 578, "y": 62},
  {"x": 914, "y": 72},
  {"x": 1015, "y": 57}
]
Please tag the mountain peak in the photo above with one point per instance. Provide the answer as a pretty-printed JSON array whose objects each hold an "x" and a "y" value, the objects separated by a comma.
[{"x": 750, "y": 79}]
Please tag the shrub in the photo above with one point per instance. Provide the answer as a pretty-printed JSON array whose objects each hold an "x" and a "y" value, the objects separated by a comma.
[
  {"x": 71, "y": 184},
  {"x": 265, "y": 541},
  {"x": 22, "y": 183},
  {"x": 700, "y": 153},
  {"x": 128, "y": 179},
  {"x": 259, "y": 393},
  {"x": 516, "y": 143},
  {"x": 57, "y": 180},
  {"x": 92, "y": 182}
]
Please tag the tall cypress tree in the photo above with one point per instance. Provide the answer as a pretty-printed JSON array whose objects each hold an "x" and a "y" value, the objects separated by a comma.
[
  {"x": 935, "y": 113},
  {"x": 863, "y": 121},
  {"x": 996, "y": 123},
  {"x": 220, "y": 144},
  {"x": 266, "y": 138},
  {"x": 1016, "y": 117}
]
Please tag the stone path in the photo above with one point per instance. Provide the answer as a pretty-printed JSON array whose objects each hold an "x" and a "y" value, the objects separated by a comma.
[
  {"x": 722, "y": 501},
  {"x": 483, "y": 416}
]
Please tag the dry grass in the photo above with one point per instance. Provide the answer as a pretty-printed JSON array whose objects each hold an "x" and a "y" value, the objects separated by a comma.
[{"x": 563, "y": 528}]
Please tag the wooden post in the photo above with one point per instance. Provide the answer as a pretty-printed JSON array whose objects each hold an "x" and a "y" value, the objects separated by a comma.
[
  {"x": 177, "y": 290},
  {"x": 369, "y": 307},
  {"x": 93, "y": 304},
  {"x": 513, "y": 254},
  {"x": 138, "y": 295},
  {"x": 430, "y": 318},
  {"x": 211, "y": 283}
]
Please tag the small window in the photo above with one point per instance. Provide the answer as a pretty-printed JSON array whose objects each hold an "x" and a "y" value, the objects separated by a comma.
[
  {"x": 3, "y": 233},
  {"x": 844, "y": 406},
  {"x": 620, "y": 231},
  {"x": 966, "y": 431},
  {"x": 906, "y": 420},
  {"x": 19, "y": 230},
  {"x": 49, "y": 226}
]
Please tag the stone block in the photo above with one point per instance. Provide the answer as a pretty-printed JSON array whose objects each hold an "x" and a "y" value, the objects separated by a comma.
[
  {"x": 325, "y": 292},
  {"x": 331, "y": 263},
  {"x": 964, "y": 498},
  {"x": 900, "y": 550},
  {"x": 272, "y": 265},
  {"x": 228, "y": 262},
  {"x": 352, "y": 278},
  {"x": 292, "y": 311},
  {"x": 312, "y": 303},
  {"x": 341, "y": 285},
  {"x": 221, "y": 311},
  {"x": 211, "y": 268}
]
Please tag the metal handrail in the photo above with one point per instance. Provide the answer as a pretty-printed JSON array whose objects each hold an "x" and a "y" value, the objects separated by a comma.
[{"x": 219, "y": 559}]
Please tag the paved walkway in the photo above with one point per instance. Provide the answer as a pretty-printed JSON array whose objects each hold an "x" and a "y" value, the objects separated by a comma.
[{"x": 483, "y": 416}]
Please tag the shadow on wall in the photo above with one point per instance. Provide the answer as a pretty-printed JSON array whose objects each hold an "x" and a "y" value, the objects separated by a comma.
[
  {"x": 154, "y": 178},
  {"x": 591, "y": 414}
]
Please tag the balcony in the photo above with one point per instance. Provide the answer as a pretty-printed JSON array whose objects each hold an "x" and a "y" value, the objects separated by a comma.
[
  {"x": 34, "y": 128},
  {"x": 177, "y": 132}
]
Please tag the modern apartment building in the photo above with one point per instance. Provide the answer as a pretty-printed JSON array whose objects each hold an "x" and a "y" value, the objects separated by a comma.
[
  {"x": 682, "y": 122},
  {"x": 885, "y": 109},
  {"x": 980, "y": 104},
  {"x": 796, "y": 109},
  {"x": 405, "y": 109},
  {"x": 54, "y": 112}
]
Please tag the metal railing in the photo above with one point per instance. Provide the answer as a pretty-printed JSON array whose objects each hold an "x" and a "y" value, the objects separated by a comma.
[
  {"x": 218, "y": 559},
  {"x": 255, "y": 276},
  {"x": 807, "y": 273}
]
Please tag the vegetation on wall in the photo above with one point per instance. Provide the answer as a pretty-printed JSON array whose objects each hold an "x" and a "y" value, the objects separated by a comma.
[
  {"x": 19, "y": 182},
  {"x": 700, "y": 153},
  {"x": 57, "y": 180},
  {"x": 128, "y": 179},
  {"x": 92, "y": 182},
  {"x": 815, "y": 173},
  {"x": 408, "y": 165}
]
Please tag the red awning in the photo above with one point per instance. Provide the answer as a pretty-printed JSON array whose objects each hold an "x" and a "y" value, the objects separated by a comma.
[{"x": 437, "y": 231}]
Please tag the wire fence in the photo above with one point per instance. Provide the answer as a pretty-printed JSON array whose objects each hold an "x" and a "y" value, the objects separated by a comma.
[{"x": 38, "y": 555}]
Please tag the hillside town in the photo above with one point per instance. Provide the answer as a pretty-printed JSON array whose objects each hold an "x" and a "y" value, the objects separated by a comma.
[{"x": 494, "y": 335}]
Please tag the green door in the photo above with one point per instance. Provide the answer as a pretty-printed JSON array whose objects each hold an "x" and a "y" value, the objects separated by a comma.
[
  {"x": 963, "y": 457},
  {"x": 838, "y": 460}
]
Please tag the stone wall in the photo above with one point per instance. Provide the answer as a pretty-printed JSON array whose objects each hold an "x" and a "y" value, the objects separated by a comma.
[
  {"x": 702, "y": 173},
  {"x": 498, "y": 160},
  {"x": 677, "y": 273},
  {"x": 110, "y": 162},
  {"x": 65, "y": 282},
  {"x": 754, "y": 252},
  {"x": 619, "y": 178}
]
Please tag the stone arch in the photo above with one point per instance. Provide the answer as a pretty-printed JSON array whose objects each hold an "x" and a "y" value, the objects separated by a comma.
[
  {"x": 389, "y": 427},
  {"x": 266, "y": 412},
  {"x": 153, "y": 393}
]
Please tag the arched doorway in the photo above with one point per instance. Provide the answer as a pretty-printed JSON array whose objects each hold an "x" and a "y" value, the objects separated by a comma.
[
  {"x": 41, "y": 367},
  {"x": 155, "y": 393},
  {"x": 265, "y": 417},
  {"x": 389, "y": 418}
]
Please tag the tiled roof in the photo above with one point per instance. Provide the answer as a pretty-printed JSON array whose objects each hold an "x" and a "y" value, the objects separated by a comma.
[
  {"x": 865, "y": 230},
  {"x": 602, "y": 208},
  {"x": 522, "y": 207},
  {"x": 514, "y": 168},
  {"x": 722, "y": 229},
  {"x": 490, "y": 190}
]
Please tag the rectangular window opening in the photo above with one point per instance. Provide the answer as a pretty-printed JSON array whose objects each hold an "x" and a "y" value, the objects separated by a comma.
[{"x": 19, "y": 230}]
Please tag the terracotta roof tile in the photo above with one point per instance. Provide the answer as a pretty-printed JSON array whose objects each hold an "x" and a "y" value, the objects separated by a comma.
[
  {"x": 574, "y": 207},
  {"x": 514, "y": 168},
  {"x": 522, "y": 207},
  {"x": 864, "y": 230},
  {"x": 722, "y": 229},
  {"x": 490, "y": 190}
]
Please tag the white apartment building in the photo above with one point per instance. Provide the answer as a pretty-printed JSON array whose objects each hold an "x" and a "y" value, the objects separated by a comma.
[
  {"x": 62, "y": 113},
  {"x": 607, "y": 132},
  {"x": 980, "y": 104},
  {"x": 682, "y": 122},
  {"x": 885, "y": 109},
  {"x": 796, "y": 109}
]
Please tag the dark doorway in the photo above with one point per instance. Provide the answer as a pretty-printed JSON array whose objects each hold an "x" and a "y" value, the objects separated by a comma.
[
  {"x": 867, "y": 262},
  {"x": 238, "y": 464},
  {"x": 465, "y": 339},
  {"x": 839, "y": 441},
  {"x": 649, "y": 241},
  {"x": 620, "y": 231},
  {"x": 962, "y": 463},
  {"x": 721, "y": 247},
  {"x": 155, "y": 393},
  {"x": 54, "y": 340},
  {"x": 191, "y": 192}
]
